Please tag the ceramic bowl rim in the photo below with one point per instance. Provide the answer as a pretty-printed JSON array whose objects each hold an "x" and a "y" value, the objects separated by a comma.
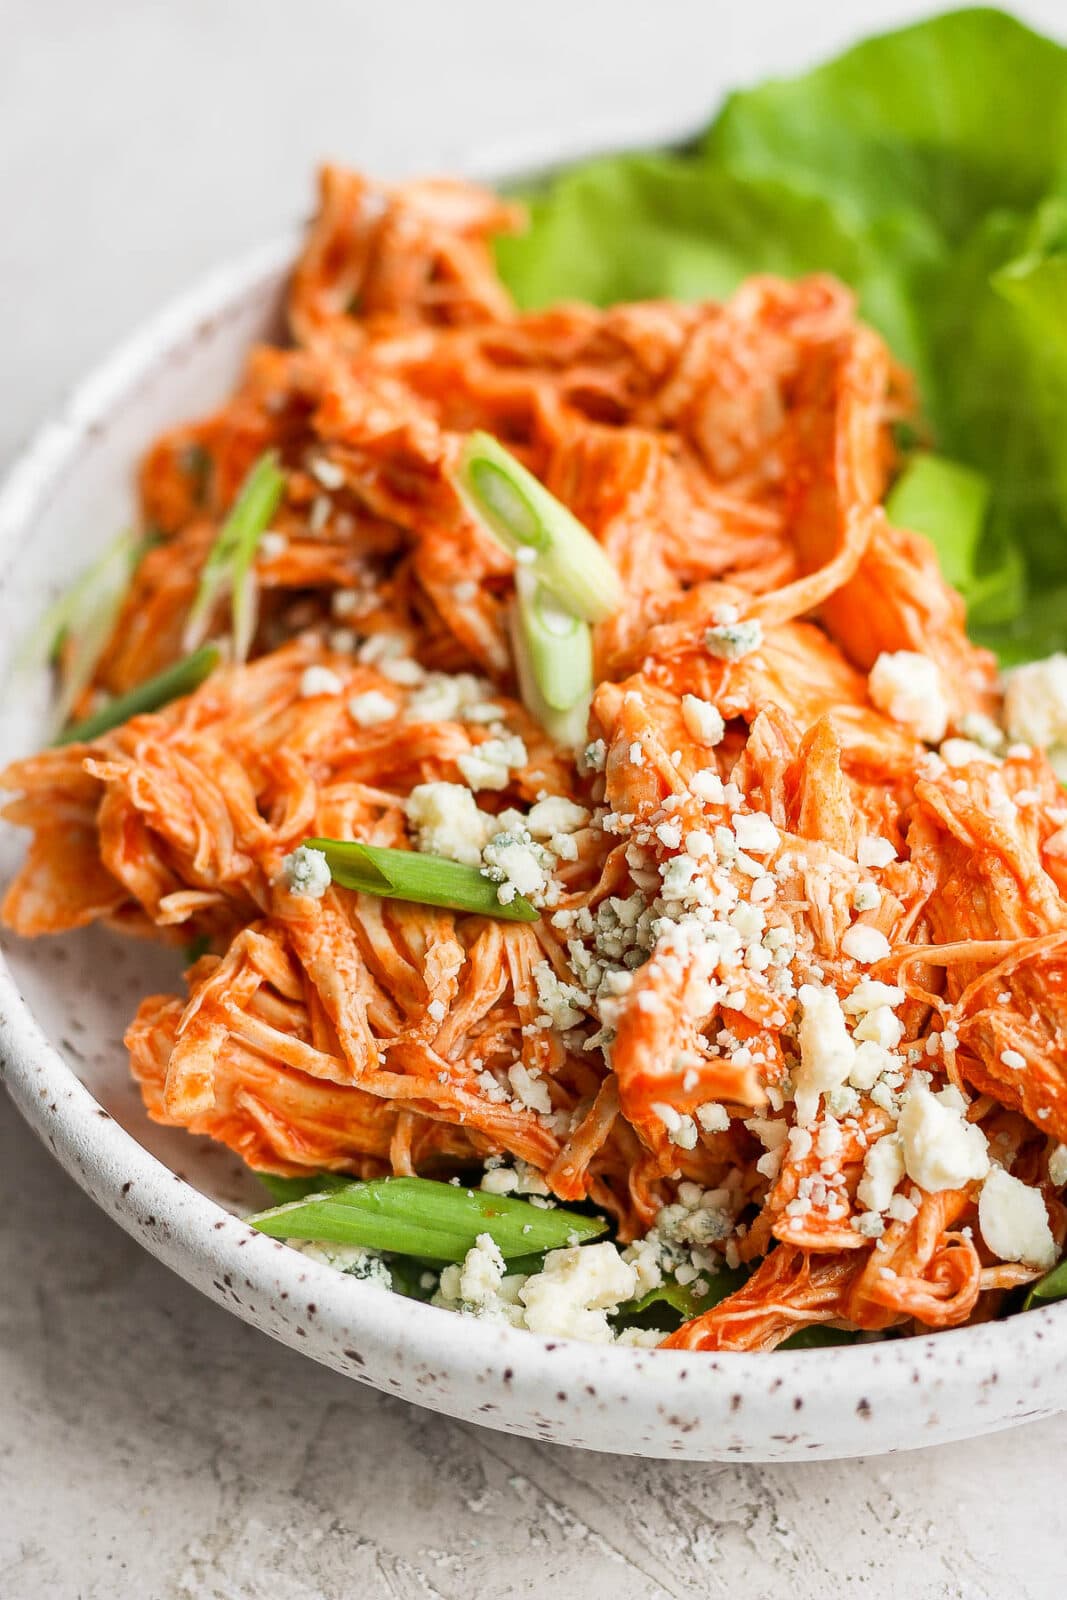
[{"x": 199, "y": 1239}]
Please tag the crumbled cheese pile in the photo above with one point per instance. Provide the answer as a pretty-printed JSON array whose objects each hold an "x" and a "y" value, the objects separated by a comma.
[
  {"x": 579, "y": 1289},
  {"x": 689, "y": 1238},
  {"x": 517, "y": 851},
  {"x": 1035, "y": 708},
  {"x": 730, "y": 639},
  {"x": 348, "y": 1258},
  {"x": 703, "y": 907},
  {"x": 930, "y": 1142},
  {"x": 907, "y": 687},
  {"x": 437, "y": 697},
  {"x": 306, "y": 871},
  {"x": 490, "y": 764},
  {"x": 572, "y": 1296},
  {"x": 446, "y": 821}
]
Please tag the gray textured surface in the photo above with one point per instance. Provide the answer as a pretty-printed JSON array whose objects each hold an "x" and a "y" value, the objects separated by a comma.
[
  {"x": 154, "y": 1448},
  {"x": 150, "y": 1445}
]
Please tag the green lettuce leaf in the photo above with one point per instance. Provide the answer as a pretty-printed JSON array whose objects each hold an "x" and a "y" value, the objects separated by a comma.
[
  {"x": 928, "y": 169},
  {"x": 817, "y": 1338},
  {"x": 949, "y": 503},
  {"x": 944, "y": 500},
  {"x": 942, "y": 122},
  {"x": 637, "y": 227}
]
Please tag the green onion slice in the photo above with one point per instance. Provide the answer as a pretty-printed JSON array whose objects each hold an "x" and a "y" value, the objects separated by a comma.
[
  {"x": 569, "y": 727},
  {"x": 228, "y": 568},
  {"x": 425, "y": 879},
  {"x": 546, "y": 538},
  {"x": 185, "y": 676},
  {"x": 85, "y": 615},
  {"x": 1052, "y": 1287},
  {"x": 558, "y": 645},
  {"x": 421, "y": 1217}
]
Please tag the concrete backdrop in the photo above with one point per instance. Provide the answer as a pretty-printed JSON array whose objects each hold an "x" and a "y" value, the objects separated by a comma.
[{"x": 150, "y": 1445}]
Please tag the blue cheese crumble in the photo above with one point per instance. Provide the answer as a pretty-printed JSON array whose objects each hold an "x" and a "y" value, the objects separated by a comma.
[
  {"x": 348, "y": 1258},
  {"x": 730, "y": 641},
  {"x": 306, "y": 871}
]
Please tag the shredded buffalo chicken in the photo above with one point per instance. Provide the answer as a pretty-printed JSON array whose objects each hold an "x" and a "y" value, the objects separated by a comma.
[{"x": 788, "y": 919}]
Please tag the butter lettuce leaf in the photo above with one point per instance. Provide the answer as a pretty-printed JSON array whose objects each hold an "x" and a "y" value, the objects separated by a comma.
[
  {"x": 928, "y": 169},
  {"x": 637, "y": 227},
  {"x": 943, "y": 122}
]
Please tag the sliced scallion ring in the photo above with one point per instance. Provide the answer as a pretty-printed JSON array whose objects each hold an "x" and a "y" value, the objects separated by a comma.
[
  {"x": 545, "y": 538},
  {"x": 558, "y": 644},
  {"x": 568, "y": 727},
  {"x": 423, "y": 879}
]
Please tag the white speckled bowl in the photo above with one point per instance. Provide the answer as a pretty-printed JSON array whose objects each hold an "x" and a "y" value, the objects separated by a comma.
[{"x": 64, "y": 1004}]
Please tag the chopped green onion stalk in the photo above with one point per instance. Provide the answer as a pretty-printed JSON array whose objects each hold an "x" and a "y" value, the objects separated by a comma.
[
  {"x": 546, "y": 538},
  {"x": 181, "y": 679},
  {"x": 421, "y": 1217},
  {"x": 85, "y": 615},
  {"x": 1053, "y": 1286},
  {"x": 570, "y": 727},
  {"x": 110, "y": 572},
  {"x": 424, "y": 879},
  {"x": 244, "y": 604},
  {"x": 559, "y": 645},
  {"x": 228, "y": 568}
]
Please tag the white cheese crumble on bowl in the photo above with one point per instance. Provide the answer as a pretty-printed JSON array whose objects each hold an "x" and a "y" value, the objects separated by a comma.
[
  {"x": 883, "y": 1169},
  {"x": 489, "y": 765},
  {"x": 575, "y": 1290},
  {"x": 873, "y": 851},
  {"x": 1035, "y": 702},
  {"x": 731, "y": 641},
  {"x": 446, "y": 821},
  {"x": 942, "y": 1150},
  {"x": 827, "y": 1052},
  {"x": 865, "y": 944},
  {"x": 517, "y": 863},
  {"x": 316, "y": 680},
  {"x": 306, "y": 871},
  {"x": 702, "y": 720},
  {"x": 1014, "y": 1222},
  {"x": 371, "y": 708},
  {"x": 907, "y": 687},
  {"x": 755, "y": 832}
]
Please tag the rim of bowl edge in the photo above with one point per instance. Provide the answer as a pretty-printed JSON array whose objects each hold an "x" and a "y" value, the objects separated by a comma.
[{"x": 89, "y": 1143}]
